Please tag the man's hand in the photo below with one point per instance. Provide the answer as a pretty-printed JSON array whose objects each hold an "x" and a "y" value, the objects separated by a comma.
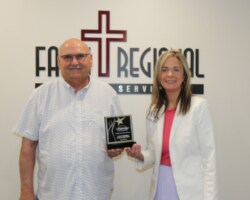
[{"x": 114, "y": 152}]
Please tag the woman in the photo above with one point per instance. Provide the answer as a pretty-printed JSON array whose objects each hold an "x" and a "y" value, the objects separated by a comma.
[{"x": 180, "y": 136}]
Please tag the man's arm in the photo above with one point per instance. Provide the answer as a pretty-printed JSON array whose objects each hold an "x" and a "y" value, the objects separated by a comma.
[{"x": 26, "y": 166}]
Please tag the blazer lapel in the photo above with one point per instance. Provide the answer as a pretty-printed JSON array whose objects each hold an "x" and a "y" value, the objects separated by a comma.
[
  {"x": 177, "y": 119},
  {"x": 160, "y": 126}
]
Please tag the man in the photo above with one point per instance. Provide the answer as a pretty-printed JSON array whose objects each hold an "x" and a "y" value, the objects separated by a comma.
[{"x": 62, "y": 127}]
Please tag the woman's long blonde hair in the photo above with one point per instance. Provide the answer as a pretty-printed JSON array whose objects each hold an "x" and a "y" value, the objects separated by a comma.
[{"x": 159, "y": 97}]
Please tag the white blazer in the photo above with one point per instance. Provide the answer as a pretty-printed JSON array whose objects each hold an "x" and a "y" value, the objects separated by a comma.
[{"x": 192, "y": 152}]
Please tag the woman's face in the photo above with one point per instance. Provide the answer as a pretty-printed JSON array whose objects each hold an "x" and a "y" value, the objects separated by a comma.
[{"x": 171, "y": 76}]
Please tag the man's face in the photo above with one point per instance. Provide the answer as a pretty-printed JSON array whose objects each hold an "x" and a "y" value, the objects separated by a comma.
[{"x": 74, "y": 61}]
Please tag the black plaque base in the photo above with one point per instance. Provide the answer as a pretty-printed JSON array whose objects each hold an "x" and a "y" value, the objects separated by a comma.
[{"x": 120, "y": 146}]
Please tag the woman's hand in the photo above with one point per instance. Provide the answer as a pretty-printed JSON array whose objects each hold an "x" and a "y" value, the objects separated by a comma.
[{"x": 135, "y": 152}]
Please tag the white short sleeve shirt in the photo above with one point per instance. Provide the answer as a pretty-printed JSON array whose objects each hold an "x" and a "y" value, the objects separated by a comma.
[{"x": 69, "y": 127}]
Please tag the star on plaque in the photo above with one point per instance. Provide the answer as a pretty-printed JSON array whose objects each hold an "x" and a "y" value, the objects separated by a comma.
[{"x": 119, "y": 120}]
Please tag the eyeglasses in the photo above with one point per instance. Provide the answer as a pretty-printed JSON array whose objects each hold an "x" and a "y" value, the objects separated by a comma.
[{"x": 79, "y": 57}]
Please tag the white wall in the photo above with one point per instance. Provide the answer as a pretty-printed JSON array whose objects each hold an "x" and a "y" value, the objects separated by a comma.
[{"x": 219, "y": 29}]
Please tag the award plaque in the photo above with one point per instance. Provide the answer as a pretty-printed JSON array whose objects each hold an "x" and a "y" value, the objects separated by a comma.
[{"x": 119, "y": 131}]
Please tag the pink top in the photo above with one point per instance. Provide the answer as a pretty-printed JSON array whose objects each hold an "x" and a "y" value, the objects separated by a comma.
[{"x": 165, "y": 156}]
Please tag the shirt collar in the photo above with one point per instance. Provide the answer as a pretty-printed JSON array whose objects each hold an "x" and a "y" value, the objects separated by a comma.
[{"x": 69, "y": 87}]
